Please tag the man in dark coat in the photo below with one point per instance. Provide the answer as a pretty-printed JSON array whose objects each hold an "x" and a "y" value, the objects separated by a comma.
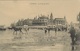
[
  {"x": 72, "y": 35},
  {"x": 78, "y": 35}
]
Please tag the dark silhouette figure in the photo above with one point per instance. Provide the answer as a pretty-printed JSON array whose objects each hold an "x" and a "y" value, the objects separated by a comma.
[
  {"x": 17, "y": 29},
  {"x": 77, "y": 36},
  {"x": 2, "y": 29},
  {"x": 72, "y": 35},
  {"x": 10, "y": 28},
  {"x": 45, "y": 30},
  {"x": 64, "y": 28},
  {"x": 26, "y": 29},
  {"x": 73, "y": 47},
  {"x": 55, "y": 29},
  {"x": 49, "y": 30}
]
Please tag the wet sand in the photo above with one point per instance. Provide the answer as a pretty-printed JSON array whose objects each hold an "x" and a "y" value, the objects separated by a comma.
[{"x": 35, "y": 40}]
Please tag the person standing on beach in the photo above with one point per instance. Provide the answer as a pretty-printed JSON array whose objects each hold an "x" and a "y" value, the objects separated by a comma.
[
  {"x": 45, "y": 30},
  {"x": 78, "y": 35},
  {"x": 55, "y": 29},
  {"x": 72, "y": 35}
]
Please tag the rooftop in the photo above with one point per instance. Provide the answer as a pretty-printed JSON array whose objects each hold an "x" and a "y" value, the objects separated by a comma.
[
  {"x": 59, "y": 19},
  {"x": 43, "y": 17}
]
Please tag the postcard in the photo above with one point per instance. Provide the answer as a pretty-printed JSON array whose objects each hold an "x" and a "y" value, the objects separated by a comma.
[{"x": 39, "y": 25}]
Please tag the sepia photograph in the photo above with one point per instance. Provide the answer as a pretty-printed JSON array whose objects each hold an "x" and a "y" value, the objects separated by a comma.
[{"x": 39, "y": 25}]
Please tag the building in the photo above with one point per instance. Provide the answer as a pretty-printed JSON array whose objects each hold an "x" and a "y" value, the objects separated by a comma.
[
  {"x": 42, "y": 20},
  {"x": 28, "y": 22},
  {"x": 48, "y": 20},
  {"x": 24, "y": 22},
  {"x": 60, "y": 21}
]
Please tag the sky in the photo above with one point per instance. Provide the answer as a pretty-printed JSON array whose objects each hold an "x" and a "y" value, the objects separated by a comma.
[{"x": 13, "y": 10}]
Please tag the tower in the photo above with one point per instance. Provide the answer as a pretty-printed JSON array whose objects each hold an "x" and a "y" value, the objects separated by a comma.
[
  {"x": 65, "y": 18},
  {"x": 78, "y": 17},
  {"x": 66, "y": 23},
  {"x": 51, "y": 18}
]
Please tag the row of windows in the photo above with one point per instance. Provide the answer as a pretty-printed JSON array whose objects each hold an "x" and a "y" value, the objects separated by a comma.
[
  {"x": 43, "y": 20},
  {"x": 60, "y": 22}
]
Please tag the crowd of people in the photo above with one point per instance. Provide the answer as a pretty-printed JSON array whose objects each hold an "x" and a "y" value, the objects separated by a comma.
[{"x": 55, "y": 29}]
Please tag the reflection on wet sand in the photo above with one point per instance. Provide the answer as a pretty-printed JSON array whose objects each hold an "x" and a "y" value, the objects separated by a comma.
[
  {"x": 34, "y": 41},
  {"x": 73, "y": 48}
]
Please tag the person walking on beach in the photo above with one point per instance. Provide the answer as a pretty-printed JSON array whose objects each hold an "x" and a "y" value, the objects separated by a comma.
[
  {"x": 45, "y": 30},
  {"x": 72, "y": 35},
  {"x": 55, "y": 29},
  {"x": 78, "y": 35}
]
